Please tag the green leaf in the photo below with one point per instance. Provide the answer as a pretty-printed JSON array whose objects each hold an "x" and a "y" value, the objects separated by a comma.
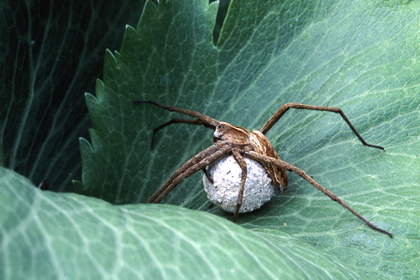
[
  {"x": 47, "y": 235},
  {"x": 361, "y": 56}
]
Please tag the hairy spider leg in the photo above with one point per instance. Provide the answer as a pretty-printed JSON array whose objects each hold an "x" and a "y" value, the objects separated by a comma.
[
  {"x": 283, "y": 109},
  {"x": 264, "y": 159},
  {"x": 242, "y": 164},
  {"x": 193, "y": 165},
  {"x": 207, "y": 121},
  {"x": 201, "y": 119},
  {"x": 176, "y": 120}
]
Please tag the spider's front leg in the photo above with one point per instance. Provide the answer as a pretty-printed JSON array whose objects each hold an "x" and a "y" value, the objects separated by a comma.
[
  {"x": 190, "y": 167},
  {"x": 264, "y": 159},
  {"x": 200, "y": 118},
  {"x": 283, "y": 109},
  {"x": 242, "y": 164},
  {"x": 173, "y": 121}
]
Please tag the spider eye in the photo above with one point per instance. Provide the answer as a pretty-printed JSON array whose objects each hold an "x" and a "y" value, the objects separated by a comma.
[{"x": 218, "y": 132}]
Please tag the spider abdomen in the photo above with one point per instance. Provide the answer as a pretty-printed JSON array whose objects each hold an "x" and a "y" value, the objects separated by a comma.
[{"x": 226, "y": 175}]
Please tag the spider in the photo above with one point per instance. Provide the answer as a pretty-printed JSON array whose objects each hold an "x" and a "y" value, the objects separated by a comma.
[{"x": 229, "y": 140}]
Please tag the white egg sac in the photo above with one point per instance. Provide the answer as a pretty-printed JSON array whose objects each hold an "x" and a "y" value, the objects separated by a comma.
[{"x": 226, "y": 175}]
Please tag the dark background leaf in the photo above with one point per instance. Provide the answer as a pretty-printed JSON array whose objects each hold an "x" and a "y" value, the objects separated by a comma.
[{"x": 51, "y": 53}]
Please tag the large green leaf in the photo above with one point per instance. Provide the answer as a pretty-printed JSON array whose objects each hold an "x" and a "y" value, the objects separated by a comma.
[
  {"x": 361, "y": 56},
  {"x": 68, "y": 236}
]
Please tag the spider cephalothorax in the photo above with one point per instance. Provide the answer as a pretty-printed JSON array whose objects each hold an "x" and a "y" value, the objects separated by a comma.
[
  {"x": 240, "y": 143},
  {"x": 246, "y": 141}
]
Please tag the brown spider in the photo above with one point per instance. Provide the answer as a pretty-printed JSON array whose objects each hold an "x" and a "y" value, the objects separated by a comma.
[{"x": 239, "y": 142}]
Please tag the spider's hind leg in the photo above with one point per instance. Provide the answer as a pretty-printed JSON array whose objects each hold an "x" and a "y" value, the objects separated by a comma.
[{"x": 264, "y": 159}]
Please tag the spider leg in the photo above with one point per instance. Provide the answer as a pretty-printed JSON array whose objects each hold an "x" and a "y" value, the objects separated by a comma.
[
  {"x": 193, "y": 165},
  {"x": 264, "y": 159},
  {"x": 209, "y": 122},
  {"x": 283, "y": 109},
  {"x": 176, "y": 120},
  {"x": 242, "y": 164}
]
